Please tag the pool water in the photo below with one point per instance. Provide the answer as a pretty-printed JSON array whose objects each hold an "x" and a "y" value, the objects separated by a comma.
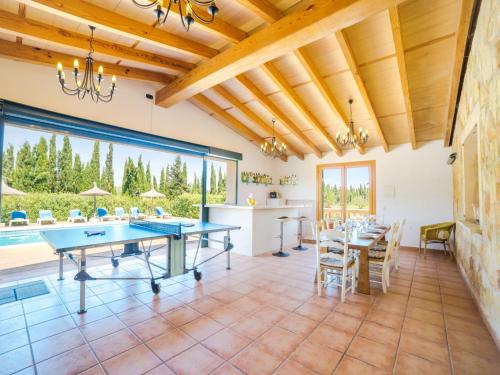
[{"x": 20, "y": 237}]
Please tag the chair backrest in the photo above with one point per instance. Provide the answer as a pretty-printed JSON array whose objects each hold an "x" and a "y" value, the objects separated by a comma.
[
  {"x": 18, "y": 215},
  {"x": 400, "y": 232},
  {"x": 101, "y": 212},
  {"x": 45, "y": 214},
  {"x": 119, "y": 211},
  {"x": 75, "y": 213},
  {"x": 134, "y": 211},
  {"x": 159, "y": 211},
  {"x": 331, "y": 237},
  {"x": 391, "y": 244}
]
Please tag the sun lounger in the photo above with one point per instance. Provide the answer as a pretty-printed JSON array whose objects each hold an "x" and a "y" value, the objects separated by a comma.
[
  {"x": 103, "y": 215},
  {"x": 75, "y": 216},
  {"x": 45, "y": 217},
  {"x": 120, "y": 213},
  {"x": 136, "y": 213},
  {"x": 160, "y": 213},
  {"x": 18, "y": 218}
]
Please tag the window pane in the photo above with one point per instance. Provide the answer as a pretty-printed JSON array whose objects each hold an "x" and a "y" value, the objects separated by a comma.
[
  {"x": 332, "y": 193},
  {"x": 357, "y": 190}
]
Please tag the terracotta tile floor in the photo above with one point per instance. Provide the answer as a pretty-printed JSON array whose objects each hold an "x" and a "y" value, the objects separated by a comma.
[{"x": 262, "y": 317}]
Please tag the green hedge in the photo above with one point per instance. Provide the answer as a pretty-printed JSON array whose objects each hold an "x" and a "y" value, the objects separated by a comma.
[{"x": 61, "y": 203}]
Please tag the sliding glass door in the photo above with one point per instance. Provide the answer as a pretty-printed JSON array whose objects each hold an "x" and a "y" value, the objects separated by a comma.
[{"x": 345, "y": 190}]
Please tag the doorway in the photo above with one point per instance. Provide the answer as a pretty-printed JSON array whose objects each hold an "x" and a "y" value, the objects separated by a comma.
[{"x": 345, "y": 190}]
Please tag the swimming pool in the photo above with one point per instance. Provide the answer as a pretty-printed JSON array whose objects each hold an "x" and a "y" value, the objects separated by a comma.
[{"x": 20, "y": 237}]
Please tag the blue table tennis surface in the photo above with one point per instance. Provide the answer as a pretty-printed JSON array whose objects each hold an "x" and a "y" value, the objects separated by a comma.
[{"x": 67, "y": 239}]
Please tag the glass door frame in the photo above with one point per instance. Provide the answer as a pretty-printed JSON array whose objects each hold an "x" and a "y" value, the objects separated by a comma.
[{"x": 371, "y": 164}]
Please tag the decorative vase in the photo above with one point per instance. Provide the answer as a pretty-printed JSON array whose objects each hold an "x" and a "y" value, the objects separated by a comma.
[{"x": 251, "y": 200}]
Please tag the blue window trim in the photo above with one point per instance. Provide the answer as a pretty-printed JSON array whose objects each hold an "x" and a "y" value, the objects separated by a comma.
[{"x": 23, "y": 115}]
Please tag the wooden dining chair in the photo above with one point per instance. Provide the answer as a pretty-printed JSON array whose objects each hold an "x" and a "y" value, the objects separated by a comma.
[
  {"x": 334, "y": 268},
  {"x": 382, "y": 245},
  {"x": 380, "y": 260}
]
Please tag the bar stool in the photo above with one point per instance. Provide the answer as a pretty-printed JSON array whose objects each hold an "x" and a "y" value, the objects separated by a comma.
[
  {"x": 281, "y": 220},
  {"x": 300, "y": 219}
]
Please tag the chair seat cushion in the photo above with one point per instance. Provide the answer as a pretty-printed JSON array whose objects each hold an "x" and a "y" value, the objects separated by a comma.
[
  {"x": 376, "y": 254},
  {"x": 379, "y": 247},
  {"x": 334, "y": 261}
]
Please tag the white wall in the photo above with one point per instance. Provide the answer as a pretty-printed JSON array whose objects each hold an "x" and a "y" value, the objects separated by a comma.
[
  {"x": 37, "y": 86},
  {"x": 421, "y": 178}
]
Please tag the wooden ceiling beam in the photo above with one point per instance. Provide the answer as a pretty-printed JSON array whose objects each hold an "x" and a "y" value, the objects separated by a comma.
[
  {"x": 466, "y": 10},
  {"x": 24, "y": 27},
  {"x": 45, "y": 57},
  {"x": 323, "y": 88},
  {"x": 21, "y": 13},
  {"x": 295, "y": 99},
  {"x": 353, "y": 67},
  {"x": 263, "y": 8},
  {"x": 278, "y": 113},
  {"x": 403, "y": 76},
  {"x": 304, "y": 26},
  {"x": 218, "y": 27},
  {"x": 87, "y": 13},
  {"x": 252, "y": 116},
  {"x": 232, "y": 122}
]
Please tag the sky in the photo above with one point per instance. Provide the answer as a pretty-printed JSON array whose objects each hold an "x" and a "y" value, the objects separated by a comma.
[
  {"x": 355, "y": 176},
  {"x": 18, "y": 135}
]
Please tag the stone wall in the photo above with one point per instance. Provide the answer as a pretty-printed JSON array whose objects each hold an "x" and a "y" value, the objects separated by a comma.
[{"x": 478, "y": 248}]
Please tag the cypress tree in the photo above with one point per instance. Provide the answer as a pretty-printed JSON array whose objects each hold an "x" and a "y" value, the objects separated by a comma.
[
  {"x": 167, "y": 180},
  {"x": 65, "y": 166},
  {"x": 129, "y": 184},
  {"x": 53, "y": 183},
  {"x": 141, "y": 176},
  {"x": 41, "y": 183},
  {"x": 108, "y": 176},
  {"x": 147, "y": 185},
  {"x": 8, "y": 164},
  {"x": 25, "y": 167},
  {"x": 194, "y": 189},
  {"x": 162, "y": 181},
  {"x": 94, "y": 170},
  {"x": 221, "y": 183},
  {"x": 175, "y": 184},
  {"x": 184, "y": 178},
  {"x": 155, "y": 183},
  {"x": 78, "y": 175},
  {"x": 213, "y": 180}
]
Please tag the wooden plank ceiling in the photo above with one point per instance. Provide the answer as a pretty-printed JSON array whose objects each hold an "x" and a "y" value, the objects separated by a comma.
[{"x": 298, "y": 61}]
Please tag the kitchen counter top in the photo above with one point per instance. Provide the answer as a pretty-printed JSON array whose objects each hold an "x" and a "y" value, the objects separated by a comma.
[{"x": 257, "y": 207}]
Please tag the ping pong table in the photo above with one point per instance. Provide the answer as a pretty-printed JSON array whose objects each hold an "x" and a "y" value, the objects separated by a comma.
[{"x": 137, "y": 239}]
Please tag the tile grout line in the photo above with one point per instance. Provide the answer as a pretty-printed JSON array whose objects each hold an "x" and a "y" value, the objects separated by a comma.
[{"x": 404, "y": 317}]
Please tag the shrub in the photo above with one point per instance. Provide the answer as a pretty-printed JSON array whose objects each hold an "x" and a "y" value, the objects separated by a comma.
[{"x": 61, "y": 203}]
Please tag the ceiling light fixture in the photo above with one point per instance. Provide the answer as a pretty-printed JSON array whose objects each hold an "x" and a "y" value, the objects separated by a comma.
[
  {"x": 188, "y": 15},
  {"x": 350, "y": 138},
  {"x": 273, "y": 148},
  {"x": 88, "y": 84}
]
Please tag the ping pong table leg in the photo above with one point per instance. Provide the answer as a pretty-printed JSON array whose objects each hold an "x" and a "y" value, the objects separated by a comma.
[
  {"x": 61, "y": 260},
  {"x": 83, "y": 266}
]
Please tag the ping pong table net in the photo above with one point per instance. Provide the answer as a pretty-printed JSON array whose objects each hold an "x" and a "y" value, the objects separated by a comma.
[{"x": 168, "y": 229}]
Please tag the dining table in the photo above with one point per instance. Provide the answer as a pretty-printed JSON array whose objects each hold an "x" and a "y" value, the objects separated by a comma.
[{"x": 363, "y": 245}]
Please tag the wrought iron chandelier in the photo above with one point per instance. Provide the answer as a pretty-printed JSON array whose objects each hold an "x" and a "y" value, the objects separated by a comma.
[
  {"x": 350, "y": 138},
  {"x": 272, "y": 147},
  {"x": 88, "y": 84},
  {"x": 188, "y": 16}
]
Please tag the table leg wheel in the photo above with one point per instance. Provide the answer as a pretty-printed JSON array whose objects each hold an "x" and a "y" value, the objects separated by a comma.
[
  {"x": 115, "y": 262},
  {"x": 155, "y": 287},
  {"x": 197, "y": 275}
]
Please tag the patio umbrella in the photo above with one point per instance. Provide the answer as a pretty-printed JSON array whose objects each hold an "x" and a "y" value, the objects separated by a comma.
[
  {"x": 152, "y": 194},
  {"x": 95, "y": 192},
  {"x": 7, "y": 190}
]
